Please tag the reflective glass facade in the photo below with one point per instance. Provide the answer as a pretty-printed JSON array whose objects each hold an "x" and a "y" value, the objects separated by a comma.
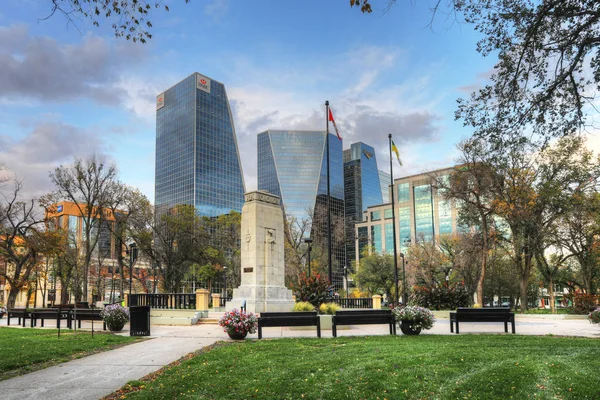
[
  {"x": 293, "y": 165},
  {"x": 385, "y": 180},
  {"x": 376, "y": 238},
  {"x": 197, "y": 157},
  {"x": 389, "y": 239},
  {"x": 404, "y": 234},
  {"x": 423, "y": 212},
  {"x": 363, "y": 188}
]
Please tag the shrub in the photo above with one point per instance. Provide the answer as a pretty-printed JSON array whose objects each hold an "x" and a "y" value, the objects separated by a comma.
[
  {"x": 315, "y": 289},
  {"x": 594, "y": 316},
  {"x": 419, "y": 317},
  {"x": 115, "y": 316},
  {"x": 440, "y": 296},
  {"x": 303, "y": 306},
  {"x": 583, "y": 303},
  {"x": 238, "y": 322},
  {"x": 357, "y": 294},
  {"x": 329, "y": 308}
]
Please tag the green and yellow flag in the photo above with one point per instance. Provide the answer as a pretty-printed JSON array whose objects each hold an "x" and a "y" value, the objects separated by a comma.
[{"x": 395, "y": 150}]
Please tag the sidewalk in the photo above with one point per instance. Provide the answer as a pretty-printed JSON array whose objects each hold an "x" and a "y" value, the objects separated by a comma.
[{"x": 101, "y": 374}]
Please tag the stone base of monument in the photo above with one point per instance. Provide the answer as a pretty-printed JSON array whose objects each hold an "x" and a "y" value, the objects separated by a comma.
[{"x": 262, "y": 299}]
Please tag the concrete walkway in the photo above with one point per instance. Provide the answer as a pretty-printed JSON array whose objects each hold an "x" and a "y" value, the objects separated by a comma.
[{"x": 101, "y": 374}]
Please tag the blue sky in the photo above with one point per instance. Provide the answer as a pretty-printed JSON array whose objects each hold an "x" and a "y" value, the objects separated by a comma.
[{"x": 73, "y": 91}]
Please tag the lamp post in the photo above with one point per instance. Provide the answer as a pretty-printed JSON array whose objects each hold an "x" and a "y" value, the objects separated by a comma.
[
  {"x": 346, "y": 275},
  {"x": 132, "y": 258},
  {"x": 308, "y": 241},
  {"x": 225, "y": 285},
  {"x": 404, "y": 300}
]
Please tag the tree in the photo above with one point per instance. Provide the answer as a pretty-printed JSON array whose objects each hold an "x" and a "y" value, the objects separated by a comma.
[
  {"x": 547, "y": 69},
  {"x": 470, "y": 184},
  {"x": 376, "y": 274},
  {"x": 128, "y": 18},
  {"x": 19, "y": 241},
  {"x": 88, "y": 184},
  {"x": 296, "y": 230}
]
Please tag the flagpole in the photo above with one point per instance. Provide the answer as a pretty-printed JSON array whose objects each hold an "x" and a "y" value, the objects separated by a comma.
[
  {"x": 328, "y": 193},
  {"x": 394, "y": 225}
]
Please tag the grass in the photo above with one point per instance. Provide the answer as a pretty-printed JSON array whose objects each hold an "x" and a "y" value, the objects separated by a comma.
[
  {"x": 27, "y": 350},
  {"x": 383, "y": 367},
  {"x": 547, "y": 311}
]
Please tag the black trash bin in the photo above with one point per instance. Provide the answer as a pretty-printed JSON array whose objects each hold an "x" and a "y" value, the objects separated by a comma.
[{"x": 139, "y": 321}]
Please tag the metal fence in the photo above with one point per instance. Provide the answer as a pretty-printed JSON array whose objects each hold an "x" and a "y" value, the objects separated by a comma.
[
  {"x": 167, "y": 301},
  {"x": 363, "y": 302}
]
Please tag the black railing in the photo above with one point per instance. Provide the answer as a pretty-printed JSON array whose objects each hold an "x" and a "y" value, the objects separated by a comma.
[
  {"x": 168, "y": 301},
  {"x": 363, "y": 302},
  {"x": 223, "y": 300}
]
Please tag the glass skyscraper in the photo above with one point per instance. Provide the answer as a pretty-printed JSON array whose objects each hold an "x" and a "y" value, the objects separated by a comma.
[
  {"x": 197, "y": 157},
  {"x": 293, "y": 165},
  {"x": 363, "y": 188}
]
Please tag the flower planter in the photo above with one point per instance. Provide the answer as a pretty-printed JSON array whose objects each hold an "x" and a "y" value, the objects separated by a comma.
[
  {"x": 408, "y": 329},
  {"x": 237, "y": 335},
  {"x": 116, "y": 328}
]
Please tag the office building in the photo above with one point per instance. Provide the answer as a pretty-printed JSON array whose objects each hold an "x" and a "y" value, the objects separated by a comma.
[
  {"x": 293, "y": 165},
  {"x": 197, "y": 156},
  {"x": 363, "y": 188},
  {"x": 421, "y": 215}
]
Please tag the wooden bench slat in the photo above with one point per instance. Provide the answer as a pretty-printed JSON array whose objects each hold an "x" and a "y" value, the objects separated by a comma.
[
  {"x": 303, "y": 318},
  {"x": 488, "y": 314}
]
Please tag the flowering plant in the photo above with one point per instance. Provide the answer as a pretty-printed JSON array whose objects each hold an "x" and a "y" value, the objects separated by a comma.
[
  {"x": 238, "y": 322},
  {"x": 419, "y": 317},
  {"x": 115, "y": 316},
  {"x": 594, "y": 316}
]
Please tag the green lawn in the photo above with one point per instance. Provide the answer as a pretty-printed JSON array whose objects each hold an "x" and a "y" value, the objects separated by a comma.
[
  {"x": 26, "y": 350},
  {"x": 384, "y": 367}
]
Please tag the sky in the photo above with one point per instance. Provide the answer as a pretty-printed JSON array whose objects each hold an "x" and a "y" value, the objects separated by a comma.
[{"x": 72, "y": 89}]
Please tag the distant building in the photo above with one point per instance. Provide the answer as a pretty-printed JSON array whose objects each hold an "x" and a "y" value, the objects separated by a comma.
[
  {"x": 421, "y": 215},
  {"x": 293, "y": 165},
  {"x": 197, "y": 156},
  {"x": 363, "y": 188}
]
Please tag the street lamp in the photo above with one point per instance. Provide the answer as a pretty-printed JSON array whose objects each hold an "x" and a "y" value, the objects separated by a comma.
[
  {"x": 132, "y": 258},
  {"x": 346, "y": 275},
  {"x": 308, "y": 241},
  {"x": 225, "y": 275},
  {"x": 404, "y": 299}
]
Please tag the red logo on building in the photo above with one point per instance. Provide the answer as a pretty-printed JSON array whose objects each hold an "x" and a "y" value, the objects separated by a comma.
[{"x": 203, "y": 81}]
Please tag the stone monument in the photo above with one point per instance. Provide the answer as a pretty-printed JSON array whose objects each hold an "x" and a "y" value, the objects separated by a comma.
[{"x": 262, "y": 257}]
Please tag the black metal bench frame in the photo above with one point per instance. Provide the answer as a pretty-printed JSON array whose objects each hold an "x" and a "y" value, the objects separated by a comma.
[
  {"x": 86, "y": 314},
  {"x": 21, "y": 313},
  {"x": 50, "y": 313},
  {"x": 302, "y": 318},
  {"x": 486, "y": 314},
  {"x": 364, "y": 317}
]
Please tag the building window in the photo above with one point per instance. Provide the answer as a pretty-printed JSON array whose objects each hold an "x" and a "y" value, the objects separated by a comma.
[
  {"x": 423, "y": 213},
  {"x": 389, "y": 238},
  {"x": 375, "y": 215},
  {"x": 403, "y": 192},
  {"x": 445, "y": 217},
  {"x": 376, "y": 238},
  {"x": 387, "y": 214},
  {"x": 363, "y": 240}
]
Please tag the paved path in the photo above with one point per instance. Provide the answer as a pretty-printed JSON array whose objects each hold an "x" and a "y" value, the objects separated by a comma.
[{"x": 101, "y": 374}]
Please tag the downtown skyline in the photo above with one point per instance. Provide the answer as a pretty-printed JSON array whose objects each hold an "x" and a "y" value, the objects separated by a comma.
[{"x": 70, "y": 92}]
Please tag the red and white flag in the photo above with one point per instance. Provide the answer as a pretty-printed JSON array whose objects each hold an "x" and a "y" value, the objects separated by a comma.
[{"x": 334, "y": 125}]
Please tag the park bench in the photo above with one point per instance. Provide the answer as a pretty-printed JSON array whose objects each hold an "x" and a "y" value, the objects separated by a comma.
[
  {"x": 302, "y": 318},
  {"x": 86, "y": 314},
  {"x": 48, "y": 313},
  {"x": 364, "y": 317},
  {"x": 21, "y": 314},
  {"x": 487, "y": 314}
]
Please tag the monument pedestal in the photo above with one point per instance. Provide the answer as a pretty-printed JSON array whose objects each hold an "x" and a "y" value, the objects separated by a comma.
[{"x": 262, "y": 257}]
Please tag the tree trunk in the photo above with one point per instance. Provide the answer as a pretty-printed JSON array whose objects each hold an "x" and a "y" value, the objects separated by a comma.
[
  {"x": 523, "y": 290},
  {"x": 484, "y": 255},
  {"x": 552, "y": 299},
  {"x": 12, "y": 297}
]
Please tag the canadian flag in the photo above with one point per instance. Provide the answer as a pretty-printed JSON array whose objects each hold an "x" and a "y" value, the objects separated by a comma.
[{"x": 334, "y": 125}]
